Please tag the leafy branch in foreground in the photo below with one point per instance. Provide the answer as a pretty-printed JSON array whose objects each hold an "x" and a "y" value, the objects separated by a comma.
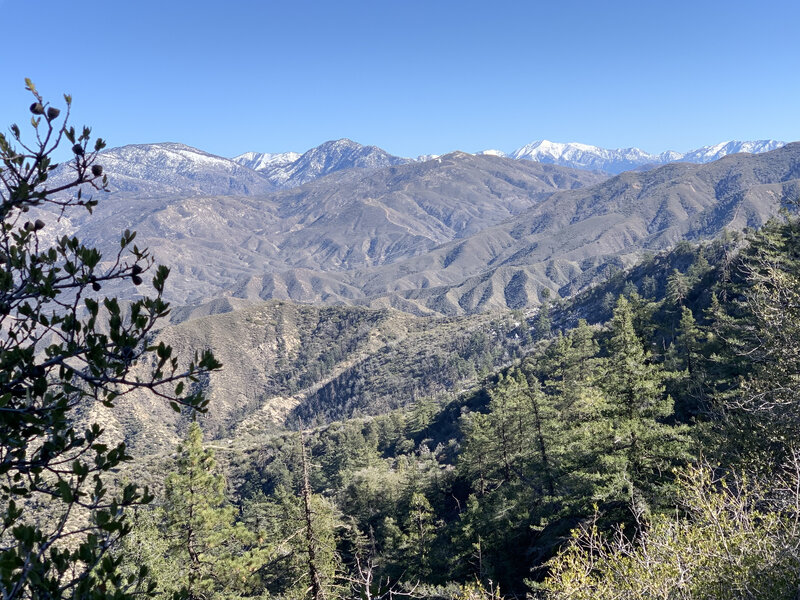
[
  {"x": 737, "y": 538},
  {"x": 62, "y": 348}
]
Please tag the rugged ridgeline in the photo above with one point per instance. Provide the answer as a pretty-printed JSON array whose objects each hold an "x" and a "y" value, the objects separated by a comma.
[
  {"x": 289, "y": 169},
  {"x": 456, "y": 234},
  {"x": 572, "y": 238},
  {"x": 563, "y": 243}
]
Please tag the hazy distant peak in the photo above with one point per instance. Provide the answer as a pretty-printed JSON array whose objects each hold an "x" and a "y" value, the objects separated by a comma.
[{"x": 585, "y": 156}]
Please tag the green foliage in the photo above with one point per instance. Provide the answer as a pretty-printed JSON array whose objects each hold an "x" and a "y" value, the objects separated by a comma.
[
  {"x": 64, "y": 348},
  {"x": 213, "y": 554},
  {"x": 192, "y": 543},
  {"x": 636, "y": 444},
  {"x": 757, "y": 334},
  {"x": 488, "y": 486},
  {"x": 451, "y": 353}
]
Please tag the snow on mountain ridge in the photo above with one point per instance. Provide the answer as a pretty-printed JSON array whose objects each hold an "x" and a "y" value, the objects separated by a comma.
[
  {"x": 584, "y": 156},
  {"x": 261, "y": 161},
  {"x": 331, "y": 156},
  {"x": 717, "y": 151},
  {"x": 169, "y": 168}
]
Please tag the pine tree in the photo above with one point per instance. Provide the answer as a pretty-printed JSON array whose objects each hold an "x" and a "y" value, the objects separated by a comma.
[
  {"x": 640, "y": 446},
  {"x": 677, "y": 288},
  {"x": 757, "y": 333},
  {"x": 685, "y": 364},
  {"x": 475, "y": 463},
  {"x": 213, "y": 551},
  {"x": 419, "y": 533}
]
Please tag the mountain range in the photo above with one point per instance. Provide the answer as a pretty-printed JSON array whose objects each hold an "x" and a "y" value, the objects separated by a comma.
[
  {"x": 583, "y": 156},
  {"x": 168, "y": 169},
  {"x": 456, "y": 234},
  {"x": 291, "y": 169}
]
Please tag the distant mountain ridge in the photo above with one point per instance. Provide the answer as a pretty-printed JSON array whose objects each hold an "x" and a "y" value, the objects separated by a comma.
[
  {"x": 584, "y": 156},
  {"x": 172, "y": 169},
  {"x": 351, "y": 219},
  {"x": 457, "y": 234},
  {"x": 291, "y": 169}
]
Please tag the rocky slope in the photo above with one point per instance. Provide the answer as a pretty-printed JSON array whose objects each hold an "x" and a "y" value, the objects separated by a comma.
[
  {"x": 565, "y": 241},
  {"x": 455, "y": 234},
  {"x": 284, "y": 361},
  {"x": 355, "y": 219}
]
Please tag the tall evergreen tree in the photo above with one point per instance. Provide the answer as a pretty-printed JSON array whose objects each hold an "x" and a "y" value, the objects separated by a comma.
[
  {"x": 214, "y": 553},
  {"x": 640, "y": 446},
  {"x": 758, "y": 334}
]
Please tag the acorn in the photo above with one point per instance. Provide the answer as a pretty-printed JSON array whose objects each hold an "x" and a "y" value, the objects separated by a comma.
[
  {"x": 136, "y": 269},
  {"x": 28, "y": 226},
  {"x": 97, "y": 170},
  {"x": 38, "y": 225},
  {"x": 95, "y": 286},
  {"x": 136, "y": 280},
  {"x": 37, "y": 108},
  {"x": 52, "y": 113},
  {"x": 77, "y": 149}
]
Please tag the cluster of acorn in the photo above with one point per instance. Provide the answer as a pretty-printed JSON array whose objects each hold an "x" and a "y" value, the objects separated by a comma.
[
  {"x": 51, "y": 113},
  {"x": 38, "y": 109},
  {"x": 135, "y": 278},
  {"x": 37, "y": 225}
]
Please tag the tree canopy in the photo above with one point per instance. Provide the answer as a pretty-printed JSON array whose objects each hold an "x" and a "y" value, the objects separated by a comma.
[{"x": 63, "y": 347}]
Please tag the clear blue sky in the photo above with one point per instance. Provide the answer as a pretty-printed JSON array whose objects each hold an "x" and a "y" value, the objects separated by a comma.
[{"x": 410, "y": 76}]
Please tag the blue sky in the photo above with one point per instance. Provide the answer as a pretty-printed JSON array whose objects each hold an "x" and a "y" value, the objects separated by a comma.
[{"x": 412, "y": 77}]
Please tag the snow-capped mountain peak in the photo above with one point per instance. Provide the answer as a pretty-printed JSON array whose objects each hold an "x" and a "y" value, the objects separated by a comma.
[
  {"x": 715, "y": 152},
  {"x": 584, "y": 156},
  {"x": 331, "y": 156}
]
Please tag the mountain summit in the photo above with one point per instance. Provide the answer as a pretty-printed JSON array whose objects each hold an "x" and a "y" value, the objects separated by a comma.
[{"x": 290, "y": 169}]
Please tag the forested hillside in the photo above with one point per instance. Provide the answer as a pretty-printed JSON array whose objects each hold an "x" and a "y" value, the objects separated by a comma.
[
  {"x": 287, "y": 363},
  {"x": 644, "y": 443}
]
